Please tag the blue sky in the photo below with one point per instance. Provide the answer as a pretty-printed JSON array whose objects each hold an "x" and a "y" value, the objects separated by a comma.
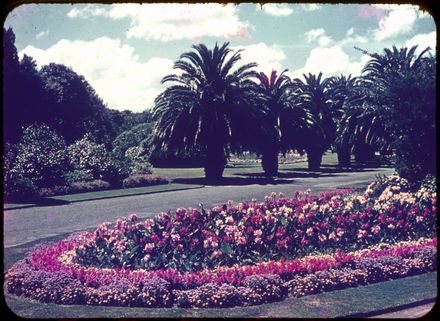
[{"x": 123, "y": 50}]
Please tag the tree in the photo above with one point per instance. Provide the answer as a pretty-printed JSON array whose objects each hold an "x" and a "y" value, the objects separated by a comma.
[
  {"x": 348, "y": 98},
  {"x": 286, "y": 119},
  {"x": 131, "y": 138},
  {"x": 316, "y": 98},
  {"x": 73, "y": 105},
  {"x": 11, "y": 85},
  {"x": 401, "y": 91},
  {"x": 207, "y": 105}
]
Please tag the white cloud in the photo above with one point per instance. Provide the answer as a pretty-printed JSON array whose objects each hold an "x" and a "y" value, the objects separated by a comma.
[
  {"x": 318, "y": 36},
  {"x": 276, "y": 9},
  {"x": 423, "y": 40},
  {"x": 400, "y": 20},
  {"x": 352, "y": 38},
  {"x": 42, "y": 34},
  {"x": 331, "y": 61},
  {"x": 169, "y": 22},
  {"x": 113, "y": 69},
  {"x": 267, "y": 57},
  {"x": 310, "y": 6}
]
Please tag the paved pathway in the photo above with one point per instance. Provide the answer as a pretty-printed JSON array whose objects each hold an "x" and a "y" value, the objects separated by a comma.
[{"x": 29, "y": 224}]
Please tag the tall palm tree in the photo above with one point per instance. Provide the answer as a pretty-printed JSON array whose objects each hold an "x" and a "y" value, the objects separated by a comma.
[
  {"x": 348, "y": 97},
  {"x": 316, "y": 97},
  {"x": 286, "y": 117},
  {"x": 211, "y": 103}
]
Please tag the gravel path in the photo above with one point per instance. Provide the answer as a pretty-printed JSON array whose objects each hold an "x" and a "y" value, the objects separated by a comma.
[{"x": 21, "y": 226}]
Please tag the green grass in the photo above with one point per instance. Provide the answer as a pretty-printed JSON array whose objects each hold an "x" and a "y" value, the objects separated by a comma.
[{"x": 123, "y": 192}]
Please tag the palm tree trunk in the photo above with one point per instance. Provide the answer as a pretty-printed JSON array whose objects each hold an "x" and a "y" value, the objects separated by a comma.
[
  {"x": 269, "y": 161},
  {"x": 314, "y": 159},
  {"x": 215, "y": 162},
  {"x": 363, "y": 153},
  {"x": 343, "y": 155}
]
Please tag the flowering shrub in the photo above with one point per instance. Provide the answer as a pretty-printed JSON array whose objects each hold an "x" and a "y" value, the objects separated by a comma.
[
  {"x": 137, "y": 180},
  {"x": 137, "y": 158},
  {"x": 40, "y": 158},
  {"x": 94, "y": 185},
  {"x": 190, "y": 240}
]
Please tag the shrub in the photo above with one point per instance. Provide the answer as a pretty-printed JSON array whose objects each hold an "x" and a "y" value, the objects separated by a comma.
[
  {"x": 393, "y": 182},
  {"x": 54, "y": 190},
  {"x": 78, "y": 175},
  {"x": 41, "y": 156},
  {"x": 144, "y": 180},
  {"x": 95, "y": 185},
  {"x": 137, "y": 158},
  {"x": 21, "y": 188},
  {"x": 429, "y": 183}
]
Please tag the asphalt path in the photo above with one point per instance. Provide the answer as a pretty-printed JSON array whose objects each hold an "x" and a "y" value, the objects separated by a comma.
[{"x": 25, "y": 225}]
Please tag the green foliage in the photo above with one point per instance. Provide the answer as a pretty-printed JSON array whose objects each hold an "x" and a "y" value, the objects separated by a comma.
[
  {"x": 401, "y": 92},
  {"x": 86, "y": 155},
  {"x": 207, "y": 105},
  {"x": 41, "y": 156},
  {"x": 131, "y": 138},
  {"x": 78, "y": 175},
  {"x": 137, "y": 158}
]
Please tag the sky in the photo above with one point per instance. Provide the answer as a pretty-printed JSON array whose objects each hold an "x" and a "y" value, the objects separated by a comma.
[{"x": 124, "y": 50}]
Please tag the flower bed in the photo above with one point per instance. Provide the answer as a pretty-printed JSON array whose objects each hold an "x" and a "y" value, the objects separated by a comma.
[{"x": 239, "y": 255}]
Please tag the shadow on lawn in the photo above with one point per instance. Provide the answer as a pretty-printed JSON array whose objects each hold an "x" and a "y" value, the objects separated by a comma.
[
  {"x": 40, "y": 201},
  {"x": 234, "y": 180}
]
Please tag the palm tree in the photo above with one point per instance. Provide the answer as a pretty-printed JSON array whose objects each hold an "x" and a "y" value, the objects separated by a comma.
[
  {"x": 286, "y": 117},
  {"x": 348, "y": 98},
  {"x": 316, "y": 97},
  {"x": 211, "y": 104},
  {"x": 400, "y": 87}
]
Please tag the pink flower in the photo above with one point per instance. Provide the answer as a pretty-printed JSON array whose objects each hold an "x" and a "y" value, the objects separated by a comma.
[
  {"x": 361, "y": 234},
  {"x": 249, "y": 230},
  {"x": 304, "y": 242},
  {"x": 375, "y": 229},
  {"x": 309, "y": 231},
  {"x": 322, "y": 238},
  {"x": 340, "y": 231},
  {"x": 419, "y": 218}
]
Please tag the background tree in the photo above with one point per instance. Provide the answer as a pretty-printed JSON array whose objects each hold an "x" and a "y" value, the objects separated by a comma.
[
  {"x": 207, "y": 105},
  {"x": 286, "y": 119},
  {"x": 316, "y": 98},
  {"x": 348, "y": 97},
  {"x": 401, "y": 89}
]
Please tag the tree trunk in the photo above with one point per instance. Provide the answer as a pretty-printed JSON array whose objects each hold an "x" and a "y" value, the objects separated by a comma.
[
  {"x": 215, "y": 163},
  {"x": 364, "y": 153},
  {"x": 314, "y": 159},
  {"x": 269, "y": 161},
  {"x": 343, "y": 156}
]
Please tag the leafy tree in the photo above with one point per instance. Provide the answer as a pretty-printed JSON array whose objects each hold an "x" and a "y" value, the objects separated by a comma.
[
  {"x": 401, "y": 88},
  {"x": 208, "y": 104},
  {"x": 286, "y": 117},
  {"x": 74, "y": 106},
  {"x": 316, "y": 97},
  {"x": 137, "y": 158},
  {"x": 11, "y": 88},
  {"x": 41, "y": 156}
]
